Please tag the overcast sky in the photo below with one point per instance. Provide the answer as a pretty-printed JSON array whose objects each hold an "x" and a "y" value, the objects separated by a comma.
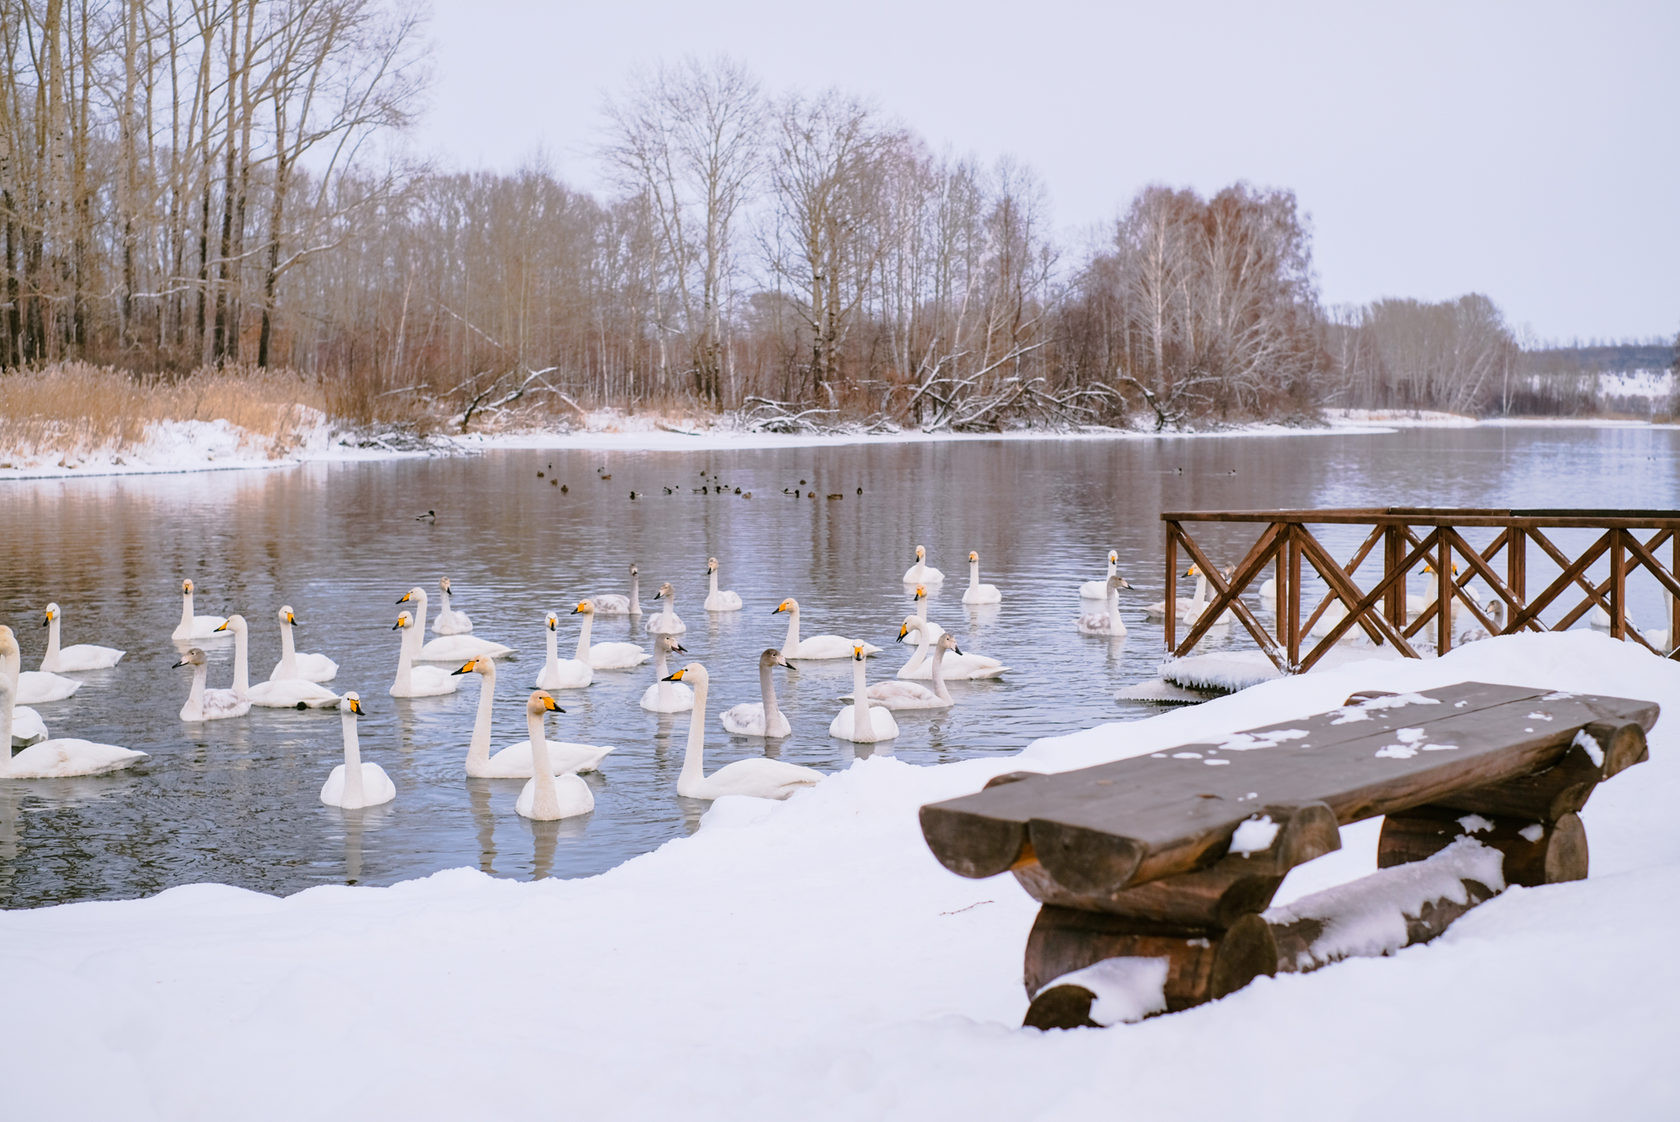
[{"x": 1527, "y": 150}]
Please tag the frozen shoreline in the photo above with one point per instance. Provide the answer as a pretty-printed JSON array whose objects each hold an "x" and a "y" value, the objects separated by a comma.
[
  {"x": 192, "y": 446},
  {"x": 810, "y": 959}
]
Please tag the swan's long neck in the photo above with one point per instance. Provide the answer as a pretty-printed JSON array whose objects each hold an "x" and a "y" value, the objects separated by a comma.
[
  {"x": 405, "y": 658},
  {"x": 288, "y": 652},
  {"x": 583, "y": 637},
  {"x": 659, "y": 672},
  {"x": 353, "y": 796},
  {"x": 195, "y": 695},
  {"x": 443, "y": 602},
  {"x": 551, "y": 662},
  {"x": 241, "y": 663},
  {"x": 545, "y": 805},
  {"x": 186, "y": 609},
  {"x": 974, "y": 574},
  {"x": 8, "y": 698},
  {"x": 860, "y": 701},
  {"x": 767, "y": 686},
  {"x": 790, "y": 645},
  {"x": 49, "y": 661},
  {"x": 694, "y": 757},
  {"x": 635, "y": 599},
  {"x": 920, "y": 652},
  {"x": 1201, "y": 589},
  {"x": 921, "y": 609},
  {"x": 420, "y": 610},
  {"x": 712, "y": 583},
  {"x": 939, "y": 676},
  {"x": 1113, "y": 616},
  {"x": 1113, "y": 567},
  {"x": 478, "y": 748}
]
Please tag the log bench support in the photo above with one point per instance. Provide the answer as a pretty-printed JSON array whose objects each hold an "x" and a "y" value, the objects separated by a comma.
[{"x": 1154, "y": 873}]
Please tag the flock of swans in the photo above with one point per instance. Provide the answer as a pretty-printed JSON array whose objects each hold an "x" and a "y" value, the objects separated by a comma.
[{"x": 437, "y": 666}]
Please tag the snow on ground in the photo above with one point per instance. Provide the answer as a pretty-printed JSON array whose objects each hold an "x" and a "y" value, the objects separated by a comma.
[
  {"x": 179, "y": 446},
  {"x": 810, "y": 959}
]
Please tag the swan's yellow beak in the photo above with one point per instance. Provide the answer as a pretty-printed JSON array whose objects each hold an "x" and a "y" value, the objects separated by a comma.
[
  {"x": 1192, "y": 571},
  {"x": 403, "y": 599},
  {"x": 186, "y": 586},
  {"x": 583, "y": 606},
  {"x": 397, "y": 626},
  {"x": 291, "y": 619},
  {"x": 356, "y": 706},
  {"x": 46, "y": 619},
  {"x": 857, "y": 651},
  {"x": 223, "y": 627},
  {"x": 973, "y": 556},
  {"x": 471, "y": 665},
  {"x": 782, "y": 607},
  {"x": 677, "y": 677},
  {"x": 921, "y": 593},
  {"x": 551, "y": 705},
  {"x": 903, "y": 630}
]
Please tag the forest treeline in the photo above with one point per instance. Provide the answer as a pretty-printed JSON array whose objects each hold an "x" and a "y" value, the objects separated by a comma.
[{"x": 190, "y": 183}]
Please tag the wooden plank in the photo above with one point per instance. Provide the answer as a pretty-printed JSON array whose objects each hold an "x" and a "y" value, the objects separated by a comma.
[{"x": 985, "y": 833}]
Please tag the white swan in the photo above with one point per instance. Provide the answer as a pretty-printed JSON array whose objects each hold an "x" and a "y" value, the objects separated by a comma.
[
  {"x": 931, "y": 629},
  {"x": 449, "y": 621},
  {"x": 354, "y": 784},
  {"x": 861, "y": 722},
  {"x": 612, "y": 604},
  {"x": 417, "y": 681},
  {"x": 1107, "y": 621},
  {"x": 546, "y": 796},
  {"x": 716, "y": 601},
  {"x": 307, "y": 666},
  {"x": 666, "y": 622},
  {"x": 1268, "y": 594},
  {"x": 978, "y": 593},
  {"x": 605, "y": 656},
  {"x": 817, "y": 646},
  {"x": 895, "y": 693},
  {"x": 449, "y": 648},
  {"x": 514, "y": 761},
  {"x": 957, "y": 665},
  {"x": 191, "y": 626},
  {"x": 756, "y": 777},
  {"x": 558, "y": 673},
  {"x": 921, "y": 572},
  {"x": 37, "y": 687},
  {"x": 1098, "y": 589},
  {"x": 276, "y": 693},
  {"x": 54, "y": 758},
  {"x": 760, "y": 718},
  {"x": 80, "y": 656},
  {"x": 27, "y": 726},
  {"x": 1183, "y": 605},
  {"x": 207, "y": 704},
  {"x": 666, "y": 696}
]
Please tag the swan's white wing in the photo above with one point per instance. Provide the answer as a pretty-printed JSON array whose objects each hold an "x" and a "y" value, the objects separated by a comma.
[{"x": 59, "y": 759}]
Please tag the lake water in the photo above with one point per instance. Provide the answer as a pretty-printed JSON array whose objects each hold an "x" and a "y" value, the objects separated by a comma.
[{"x": 236, "y": 801}]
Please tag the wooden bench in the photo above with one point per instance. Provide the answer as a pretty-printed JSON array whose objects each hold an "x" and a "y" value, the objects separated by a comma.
[{"x": 1135, "y": 859}]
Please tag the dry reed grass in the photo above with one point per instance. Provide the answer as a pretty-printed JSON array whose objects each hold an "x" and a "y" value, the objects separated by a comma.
[{"x": 76, "y": 409}]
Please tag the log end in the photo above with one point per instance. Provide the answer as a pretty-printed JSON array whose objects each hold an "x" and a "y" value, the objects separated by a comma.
[
  {"x": 1084, "y": 861},
  {"x": 1064, "y": 1006},
  {"x": 971, "y": 845}
]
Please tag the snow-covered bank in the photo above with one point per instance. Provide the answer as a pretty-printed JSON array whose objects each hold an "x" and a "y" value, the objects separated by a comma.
[
  {"x": 184, "y": 446},
  {"x": 811, "y": 960}
]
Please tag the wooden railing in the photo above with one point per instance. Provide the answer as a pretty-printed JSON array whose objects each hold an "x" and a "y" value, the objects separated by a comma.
[{"x": 1433, "y": 538}]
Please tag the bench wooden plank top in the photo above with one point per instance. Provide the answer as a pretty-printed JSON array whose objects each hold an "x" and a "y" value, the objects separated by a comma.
[{"x": 1127, "y": 822}]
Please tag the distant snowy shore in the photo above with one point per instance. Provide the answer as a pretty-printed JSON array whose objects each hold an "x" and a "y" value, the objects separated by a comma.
[
  {"x": 189, "y": 446},
  {"x": 810, "y": 959}
]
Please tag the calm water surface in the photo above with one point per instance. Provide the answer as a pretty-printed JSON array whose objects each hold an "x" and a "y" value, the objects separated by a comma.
[{"x": 237, "y": 801}]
